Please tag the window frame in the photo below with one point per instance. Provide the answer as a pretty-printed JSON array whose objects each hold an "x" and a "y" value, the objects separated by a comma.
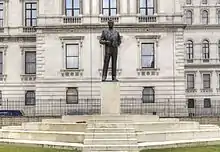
[
  {"x": 192, "y": 105},
  {"x": 3, "y": 14},
  {"x": 218, "y": 16},
  {"x": 77, "y": 95},
  {"x": 109, "y": 8},
  {"x": 78, "y": 57},
  {"x": 26, "y": 98},
  {"x": 189, "y": 50},
  {"x": 187, "y": 17},
  {"x": 188, "y": 2},
  {"x": 205, "y": 17},
  {"x": 207, "y": 105},
  {"x": 30, "y": 9},
  {"x": 148, "y": 95},
  {"x": 154, "y": 50},
  {"x": 72, "y": 8},
  {"x": 205, "y": 50},
  {"x": 206, "y": 80},
  {"x": 187, "y": 81},
  {"x": 204, "y": 2},
  {"x": 146, "y": 8},
  {"x": 25, "y": 62}
]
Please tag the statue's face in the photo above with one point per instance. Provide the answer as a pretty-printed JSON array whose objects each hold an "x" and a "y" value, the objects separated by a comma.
[{"x": 110, "y": 24}]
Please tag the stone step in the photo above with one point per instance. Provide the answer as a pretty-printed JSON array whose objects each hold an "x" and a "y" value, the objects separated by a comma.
[
  {"x": 208, "y": 126},
  {"x": 160, "y": 136},
  {"x": 54, "y": 126},
  {"x": 110, "y": 125},
  {"x": 130, "y": 148},
  {"x": 168, "y": 120},
  {"x": 73, "y": 137},
  {"x": 110, "y": 141},
  {"x": 110, "y": 130},
  {"x": 165, "y": 126},
  {"x": 52, "y": 120},
  {"x": 12, "y": 127},
  {"x": 109, "y": 135}
]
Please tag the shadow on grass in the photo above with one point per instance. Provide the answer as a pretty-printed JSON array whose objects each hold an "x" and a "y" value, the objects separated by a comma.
[
  {"x": 187, "y": 149},
  {"x": 18, "y": 148}
]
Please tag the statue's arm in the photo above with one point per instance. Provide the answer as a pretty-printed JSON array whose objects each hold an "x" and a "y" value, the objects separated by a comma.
[
  {"x": 119, "y": 39},
  {"x": 102, "y": 39}
]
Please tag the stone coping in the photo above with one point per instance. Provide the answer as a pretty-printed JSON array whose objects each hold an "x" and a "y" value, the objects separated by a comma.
[{"x": 43, "y": 132}]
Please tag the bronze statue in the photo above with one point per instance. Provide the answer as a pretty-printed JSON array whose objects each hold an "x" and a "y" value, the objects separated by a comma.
[{"x": 111, "y": 39}]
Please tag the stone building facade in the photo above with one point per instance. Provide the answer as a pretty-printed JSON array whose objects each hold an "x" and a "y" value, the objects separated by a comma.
[{"x": 50, "y": 51}]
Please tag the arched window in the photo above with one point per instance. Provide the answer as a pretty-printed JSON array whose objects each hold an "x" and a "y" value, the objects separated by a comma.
[
  {"x": 148, "y": 95},
  {"x": 189, "y": 51},
  {"x": 205, "y": 17},
  {"x": 72, "y": 96},
  {"x": 205, "y": 50},
  {"x": 204, "y": 2},
  {"x": 189, "y": 18},
  {"x": 218, "y": 16},
  {"x": 188, "y": 2}
]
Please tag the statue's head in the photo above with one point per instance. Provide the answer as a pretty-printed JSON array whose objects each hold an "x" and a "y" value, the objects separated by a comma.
[{"x": 110, "y": 23}]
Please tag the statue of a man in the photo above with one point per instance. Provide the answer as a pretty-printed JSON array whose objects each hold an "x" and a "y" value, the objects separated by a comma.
[{"x": 111, "y": 39}]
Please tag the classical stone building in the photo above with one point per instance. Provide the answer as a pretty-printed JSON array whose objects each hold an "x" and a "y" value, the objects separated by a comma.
[{"x": 50, "y": 51}]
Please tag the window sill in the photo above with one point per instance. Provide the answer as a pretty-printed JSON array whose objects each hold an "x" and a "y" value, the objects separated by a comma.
[
  {"x": 148, "y": 72},
  {"x": 206, "y": 90},
  {"x": 191, "y": 90},
  {"x": 71, "y": 72},
  {"x": 72, "y": 19},
  {"x": 29, "y": 29},
  {"x": 104, "y": 19},
  {"x": 118, "y": 72},
  {"x": 28, "y": 77}
]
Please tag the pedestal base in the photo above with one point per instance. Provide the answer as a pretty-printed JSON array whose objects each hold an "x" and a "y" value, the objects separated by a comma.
[{"x": 110, "y": 98}]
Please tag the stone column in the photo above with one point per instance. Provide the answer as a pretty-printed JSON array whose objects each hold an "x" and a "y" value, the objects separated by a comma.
[{"x": 110, "y": 98}]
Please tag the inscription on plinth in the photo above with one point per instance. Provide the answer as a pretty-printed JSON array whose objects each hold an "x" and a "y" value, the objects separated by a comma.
[{"x": 110, "y": 98}]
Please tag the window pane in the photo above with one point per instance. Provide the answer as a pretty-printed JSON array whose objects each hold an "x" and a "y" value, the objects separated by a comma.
[
  {"x": 150, "y": 3},
  {"x": 113, "y": 3},
  {"x": 28, "y": 22},
  {"x": 1, "y": 15},
  {"x": 106, "y": 12},
  {"x": 76, "y": 12},
  {"x": 150, "y": 12},
  {"x": 1, "y": 68},
  {"x": 28, "y": 13},
  {"x": 30, "y": 57},
  {"x": 72, "y": 50},
  {"x": 34, "y": 14},
  {"x": 34, "y": 22},
  {"x": 1, "y": 6},
  {"x": 69, "y": 12},
  {"x": 113, "y": 12},
  {"x": 34, "y": 6},
  {"x": 72, "y": 62},
  {"x": 76, "y": 4},
  {"x": 30, "y": 68},
  {"x": 147, "y": 49},
  {"x": 147, "y": 62},
  {"x": 105, "y": 3},
  {"x": 69, "y": 4},
  {"x": 28, "y": 6},
  {"x": 143, "y": 11},
  {"x": 142, "y": 3}
]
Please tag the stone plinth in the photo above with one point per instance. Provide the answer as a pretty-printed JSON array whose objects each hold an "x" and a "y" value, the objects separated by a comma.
[{"x": 110, "y": 98}]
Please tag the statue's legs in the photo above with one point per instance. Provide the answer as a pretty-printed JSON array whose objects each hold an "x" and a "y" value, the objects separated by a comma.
[
  {"x": 106, "y": 64},
  {"x": 114, "y": 63}
]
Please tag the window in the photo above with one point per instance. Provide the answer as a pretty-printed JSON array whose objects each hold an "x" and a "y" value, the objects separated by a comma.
[
  {"x": 218, "y": 81},
  {"x": 191, "y": 103},
  {"x": 30, "y": 98},
  {"x": 1, "y": 14},
  {"x": 189, "y": 17},
  {"x": 218, "y": 16},
  {"x": 146, "y": 7},
  {"x": 206, "y": 81},
  {"x": 205, "y": 17},
  {"x": 190, "y": 81},
  {"x": 204, "y": 2},
  {"x": 147, "y": 55},
  {"x": 1, "y": 63},
  {"x": 72, "y": 56},
  {"x": 188, "y": 2},
  {"x": 109, "y": 7},
  {"x": 148, "y": 95},
  {"x": 72, "y": 7},
  {"x": 31, "y": 14},
  {"x": 189, "y": 50},
  {"x": 207, "y": 103},
  {"x": 30, "y": 62},
  {"x": 205, "y": 50},
  {"x": 219, "y": 49},
  {"x": 72, "y": 96}
]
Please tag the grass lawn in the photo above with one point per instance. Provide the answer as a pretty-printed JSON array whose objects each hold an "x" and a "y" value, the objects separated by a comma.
[
  {"x": 189, "y": 149},
  {"x": 13, "y": 148}
]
